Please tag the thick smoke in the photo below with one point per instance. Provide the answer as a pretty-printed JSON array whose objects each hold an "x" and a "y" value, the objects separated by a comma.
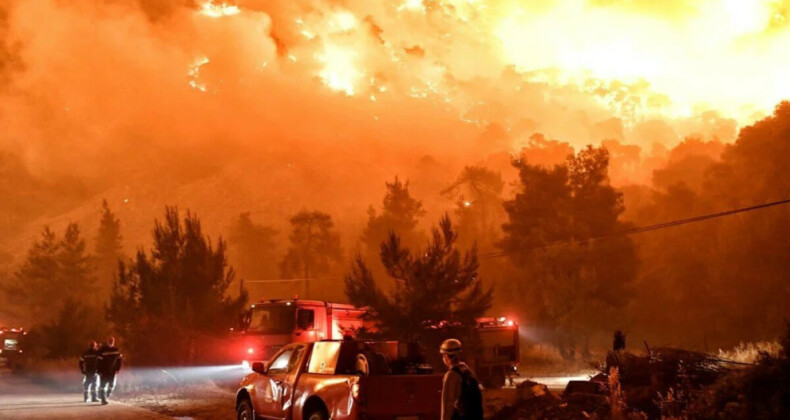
[{"x": 271, "y": 107}]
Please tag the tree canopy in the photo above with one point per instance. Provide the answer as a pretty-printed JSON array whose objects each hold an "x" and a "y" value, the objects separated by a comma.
[
  {"x": 314, "y": 247},
  {"x": 175, "y": 292},
  {"x": 574, "y": 287},
  {"x": 400, "y": 213},
  {"x": 436, "y": 284}
]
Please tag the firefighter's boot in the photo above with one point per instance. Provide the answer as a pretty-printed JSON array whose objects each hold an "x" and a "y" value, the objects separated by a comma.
[
  {"x": 93, "y": 397},
  {"x": 101, "y": 396},
  {"x": 85, "y": 396}
]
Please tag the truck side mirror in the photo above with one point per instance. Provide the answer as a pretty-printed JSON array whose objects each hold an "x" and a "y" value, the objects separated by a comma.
[{"x": 259, "y": 367}]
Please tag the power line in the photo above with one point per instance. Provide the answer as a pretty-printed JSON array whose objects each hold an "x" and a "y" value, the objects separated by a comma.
[
  {"x": 642, "y": 229},
  {"x": 289, "y": 280}
]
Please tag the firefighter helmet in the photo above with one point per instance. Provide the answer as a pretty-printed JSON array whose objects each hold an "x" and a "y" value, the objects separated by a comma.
[{"x": 450, "y": 347}]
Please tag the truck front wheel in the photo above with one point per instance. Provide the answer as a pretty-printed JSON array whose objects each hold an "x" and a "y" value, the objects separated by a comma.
[
  {"x": 318, "y": 414},
  {"x": 244, "y": 411}
]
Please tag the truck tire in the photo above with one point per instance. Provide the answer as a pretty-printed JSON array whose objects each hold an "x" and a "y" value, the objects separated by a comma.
[
  {"x": 496, "y": 380},
  {"x": 318, "y": 414},
  {"x": 244, "y": 411}
]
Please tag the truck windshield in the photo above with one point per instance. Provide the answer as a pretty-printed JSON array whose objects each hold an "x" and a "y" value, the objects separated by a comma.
[{"x": 274, "y": 319}]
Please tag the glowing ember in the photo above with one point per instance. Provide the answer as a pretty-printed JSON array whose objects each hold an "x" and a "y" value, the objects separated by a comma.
[
  {"x": 219, "y": 10},
  {"x": 194, "y": 74},
  {"x": 344, "y": 21}
]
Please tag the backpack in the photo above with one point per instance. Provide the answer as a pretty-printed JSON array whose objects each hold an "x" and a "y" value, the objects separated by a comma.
[{"x": 470, "y": 404}]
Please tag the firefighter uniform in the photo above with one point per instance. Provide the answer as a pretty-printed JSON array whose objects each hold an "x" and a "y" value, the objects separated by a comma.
[
  {"x": 88, "y": 366},
  {"x": 109, "y": 364}
]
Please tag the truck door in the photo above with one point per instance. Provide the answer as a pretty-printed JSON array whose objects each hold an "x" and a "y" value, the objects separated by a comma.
[
  {"x": 281, "y": 377},
  {"x": 306, "y": 326}
]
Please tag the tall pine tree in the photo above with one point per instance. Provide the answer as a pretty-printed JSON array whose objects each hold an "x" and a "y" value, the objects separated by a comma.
[
  {"x": 314, "y": 249},
  {"x": 166, "y": 300},
  {"x": 54, "y": 270},
  {"x": 400, "y": 213},
  {"x": 109, "y": 249},
  {"x": 436, "y": 284}
]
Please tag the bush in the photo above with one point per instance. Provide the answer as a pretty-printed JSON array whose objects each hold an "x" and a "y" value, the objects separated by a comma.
[{"x": 758, "y": 392}]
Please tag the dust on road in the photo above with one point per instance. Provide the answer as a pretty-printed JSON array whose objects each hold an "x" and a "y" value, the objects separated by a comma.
[{"x": 22, "y": 399}]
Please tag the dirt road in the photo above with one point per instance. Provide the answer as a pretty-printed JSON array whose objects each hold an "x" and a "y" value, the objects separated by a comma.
[{"x": 22, "y": 399}]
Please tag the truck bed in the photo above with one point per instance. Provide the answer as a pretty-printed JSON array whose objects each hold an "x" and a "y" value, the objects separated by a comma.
[{"x": 408, "y": 396}]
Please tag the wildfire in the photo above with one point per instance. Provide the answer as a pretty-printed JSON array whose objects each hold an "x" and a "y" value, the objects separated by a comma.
[
  {"x": 635, "y": 60},
  {"x": 339, "y": 72},
  {"x": 719, "y": 55},
  {"x": 211, "y": 9}
]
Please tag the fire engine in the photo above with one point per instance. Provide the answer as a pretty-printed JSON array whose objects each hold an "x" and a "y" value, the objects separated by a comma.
[
  {"x": 491, "y": 347},
  {"x": 272, "y": 324},
  {"x": 11, "y": 352},
  {"x": 269, "y": 325},
  {"x": 497, "y": 356}
]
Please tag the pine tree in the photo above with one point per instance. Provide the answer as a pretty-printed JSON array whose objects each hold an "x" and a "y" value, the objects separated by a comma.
[
  {"x": 477, "y": 193},
  {"x": 54, "y": 270},
  {"x": 76, "y": 268},
  {"x": 109, "y": 245},
  {"x": 400, "y": 213},
  {"x": 168, "y": 298},
  {"x": 577, "y": 288},
  {"x": 314, "y": 249},
  {"x": 253, "y": 248},
  {"x": 433, "y": 285}
]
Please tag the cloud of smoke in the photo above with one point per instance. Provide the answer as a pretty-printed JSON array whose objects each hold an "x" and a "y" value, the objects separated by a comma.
[{"x": 273, "y": 106}]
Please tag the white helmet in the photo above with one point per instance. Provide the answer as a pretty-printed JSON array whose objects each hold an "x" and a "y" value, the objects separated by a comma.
[{"x": 450, "y": 347}]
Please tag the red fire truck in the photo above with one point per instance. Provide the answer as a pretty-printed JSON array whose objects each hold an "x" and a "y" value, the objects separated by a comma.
[
  {"x": 269, "y": 325},
  {"x": 497, "y": 355},
  {"x": 11, "y": 352}
]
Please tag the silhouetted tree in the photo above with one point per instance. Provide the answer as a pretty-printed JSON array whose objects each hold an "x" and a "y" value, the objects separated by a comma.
[
  {"x": 69, "y": 333},
  {"x": 433, "y": 285},
  {"x": 163, "y": 302},
  {"x": 577, "y": 287},
  {"x": 477, "y": 193},
  {"x": 713, "y": 284},
  {"x": 108, "y": 249},
  {"x": 54, "y": 270},
  {"x": 400, "y": 213},
  {"x": 252, "y": 248},
  {"x": 314, "y": 248}
]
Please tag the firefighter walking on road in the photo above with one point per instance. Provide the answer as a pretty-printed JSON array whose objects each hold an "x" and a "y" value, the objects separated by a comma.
[
  {"x": 461, "y": 395},
  {"x": 88, "y": 366},
  {"x": 109, "y": 364}
]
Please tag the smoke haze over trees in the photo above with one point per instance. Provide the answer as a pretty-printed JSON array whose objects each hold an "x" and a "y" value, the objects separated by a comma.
[{"x": 153, "y": 103}]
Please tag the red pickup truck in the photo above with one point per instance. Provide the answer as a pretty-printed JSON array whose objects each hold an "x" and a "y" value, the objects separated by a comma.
[{"x": 340, "y": 380}]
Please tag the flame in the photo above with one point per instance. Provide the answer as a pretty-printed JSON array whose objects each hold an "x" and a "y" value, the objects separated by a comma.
[
  {"x": 339, "y": 71},
  {"x": 718, "y": 55},
  {"x": 194, "y": 74},
  {"x": 638, "y": 60},
  {"x": 219, "y": 10}
]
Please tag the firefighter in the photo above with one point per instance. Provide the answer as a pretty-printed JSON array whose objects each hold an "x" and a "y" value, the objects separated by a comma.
[
  {"x": 461, "y": 395},
  {"x": 109, "y": 364},
  {"x": 88, "y": 367}
]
